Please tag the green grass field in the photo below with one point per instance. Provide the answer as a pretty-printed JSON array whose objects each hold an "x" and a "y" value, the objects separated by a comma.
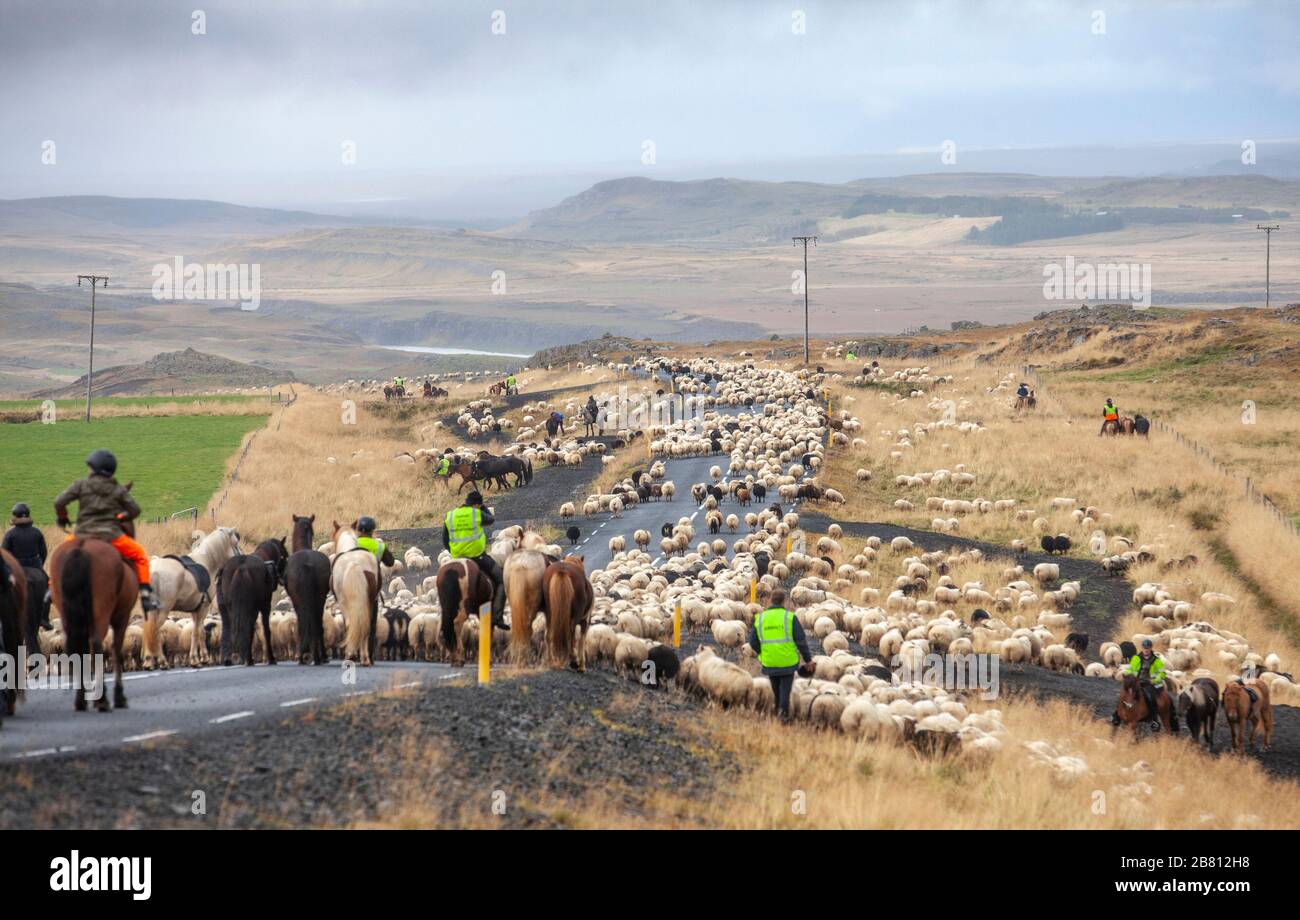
[{"x": 176, "y": 461}]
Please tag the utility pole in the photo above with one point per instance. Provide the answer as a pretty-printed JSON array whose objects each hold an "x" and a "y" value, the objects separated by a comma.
[
  {"x": 1268, "y": 249},
  {"x": 90, "y": 369},
  {"x": 804, "y": 240}
]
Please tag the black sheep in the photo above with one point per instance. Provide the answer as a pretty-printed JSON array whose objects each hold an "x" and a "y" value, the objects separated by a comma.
[
  {"x": 1128, "y": 650},
  {"x": 761, "y": 561},
  {"x": 1062, "y": 543},
  {"x": 666, "y": 530},
  {"x": 573, "y": 533},
  {"x": 760, "y": 491},
  {"x": 1077, "y": 641},
  {"x": 979, "y": 614},
  {"x": 1048, "y": 544},
  {"x": 1142, "y": 425}
]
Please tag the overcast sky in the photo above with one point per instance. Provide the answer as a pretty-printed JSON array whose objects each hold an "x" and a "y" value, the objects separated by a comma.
[{"x": 134, "y": 100}]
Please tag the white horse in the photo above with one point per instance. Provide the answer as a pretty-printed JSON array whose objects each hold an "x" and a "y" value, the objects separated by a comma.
[
  {"x": 355, "y": 582},
  {"x": 176, "y": 591}
]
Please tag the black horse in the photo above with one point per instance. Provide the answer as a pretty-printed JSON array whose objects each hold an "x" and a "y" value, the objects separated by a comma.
[
  {"x": 307, "y": 582},
  {"x": 244, "y": 592},
  {"x": 496, "y": 469}
]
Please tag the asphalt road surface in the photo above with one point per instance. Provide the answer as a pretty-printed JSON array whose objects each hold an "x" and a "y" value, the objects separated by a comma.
[{"x": 185, "y": 701}]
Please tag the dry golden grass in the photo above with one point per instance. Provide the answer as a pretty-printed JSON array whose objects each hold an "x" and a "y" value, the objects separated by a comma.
[{"x": 1156, "y": 492}]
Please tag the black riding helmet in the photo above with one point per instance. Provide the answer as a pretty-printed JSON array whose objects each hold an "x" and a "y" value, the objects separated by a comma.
[
  {"x": 1146, "y": 643},
  {"x": 365, "y": 525},
  {"x": 102, "y": 462},
  {"x": 21, "y": 510},
  {"x": 474, "y": 498}
]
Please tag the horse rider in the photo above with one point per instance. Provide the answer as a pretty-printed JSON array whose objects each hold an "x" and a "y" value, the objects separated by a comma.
[
  {"x": 103, "y": 508},
  {"x": 1149, "y": 668},
  {"x": 851, "y": 356},
  {"x": 428, "y": 389},
  {"x": 1109, "y": 413},
  {"x": 27, "y": 544},
  {"x": 444, "y": 464},
  {"x": 1023, "y": 390},
  {"x": 512, "y": 385},
  {"x": 555, "y": 423},
  {"x": 399, "y": 383},
  {"x": 367, "y": 540},
  {"x": 778, "y": 639},
  {"x": 590, "y": 413},
  {"x": 464, "y": 535}
]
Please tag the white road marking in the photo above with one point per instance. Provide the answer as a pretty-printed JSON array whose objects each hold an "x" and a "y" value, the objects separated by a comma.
[
  {"x": 230, "y": 718},
  {"x": 305, "y": 699},
  {"x": 408, "y": 684},
  {"x": 37, "y": 753},
  {"x": 148, "y": 736}
]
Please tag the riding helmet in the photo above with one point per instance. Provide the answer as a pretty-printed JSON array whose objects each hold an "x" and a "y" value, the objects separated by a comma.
[
  {"x": 366, "y": 524},
  {"x": 21, "y": 510},
  {"x": 474, "y": 498},
  {"x": 102, "y": 462},
  {"x": 1146, "y": 643}
]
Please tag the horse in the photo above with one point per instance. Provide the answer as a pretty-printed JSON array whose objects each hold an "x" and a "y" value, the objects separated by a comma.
[
  {"x": 497, "y": 468},
  {"x": 462, "y": 589},
  {"x": 244, "y": 591},
  {"x": 94, "y": 590},
  {"x": 1198, "y": 705},
  {"x": 522, "y": 575},
  {"x": 1246, "y": 706},
  {"x": 1142, "y": 426},
  {"x": 176, "y": 589},
  {"x": 466, "y": 469},
  {"x": 354, "y": 578},
  {"x": 1109, "y": 426},
  {"x": 1126, "y": 425},
  {"x": 497, "y": 389},
  {"x": 307, "y": 582},
  {"x": 14, "y": 627},
  {"x": 1132, "y": 707},
  {"x": 569, "y": 599}
]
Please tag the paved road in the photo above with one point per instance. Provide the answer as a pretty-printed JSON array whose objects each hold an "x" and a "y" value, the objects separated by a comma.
[{"x": 187, "y": 700}]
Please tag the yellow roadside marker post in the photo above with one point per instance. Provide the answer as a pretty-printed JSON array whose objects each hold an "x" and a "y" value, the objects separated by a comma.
[
  {"x": 753, "y": 591},
  {"x": 484, "y": 648},
  {"x": 677, "y": 625}
]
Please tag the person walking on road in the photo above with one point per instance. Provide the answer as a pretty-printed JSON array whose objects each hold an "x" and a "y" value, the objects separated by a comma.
[{"x": 777, "y": 637}]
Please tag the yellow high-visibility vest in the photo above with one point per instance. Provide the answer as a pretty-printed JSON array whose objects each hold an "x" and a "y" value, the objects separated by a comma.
[
  {"x": 776, "y": 638},
  {"x": 465, "y": 532}
]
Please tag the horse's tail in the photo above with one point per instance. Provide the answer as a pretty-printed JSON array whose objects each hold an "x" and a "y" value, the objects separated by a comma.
[
  {"x": 529, "y": 478},
  {"x": 449, "y": 599},
  {"x": 559, "y": 631},
  {"x": 242, "y": 613},
  {"x": 78, "y": 613}
]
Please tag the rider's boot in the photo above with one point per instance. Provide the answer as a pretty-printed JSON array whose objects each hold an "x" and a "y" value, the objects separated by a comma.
[
  {"x": 499, "y": 609},
  {"x": 45, "y": 609},
  {"x": 1114, "y": 717},
  {"x": 148, "y": 601}
]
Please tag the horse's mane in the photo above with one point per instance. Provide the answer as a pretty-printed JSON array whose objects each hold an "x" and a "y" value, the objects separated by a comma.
[
  {"x": 206, "y": 553},
  {"x": 345, "y": 538}
]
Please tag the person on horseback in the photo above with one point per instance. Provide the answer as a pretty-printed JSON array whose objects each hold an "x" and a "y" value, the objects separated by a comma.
[
  {"x": 464, "y": 534},
  {"x": 27, "y": 544},
  {"x": 367, "y": 540},
  {"x": 1023, "y": 390},
  {"x": 428, "y": 389},
  {"x": 103, "y": 507},
  {"x": 444, "y": 465},
  {"x": 1109, "y": 413},
  {"x": 589, "y": 414},
  {"x": 1149, "y": 669}
]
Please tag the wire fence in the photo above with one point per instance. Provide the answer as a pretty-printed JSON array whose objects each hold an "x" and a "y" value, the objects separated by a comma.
[
  {"x": 1244, "y": 483},
  {"x": 248, "y": 445}
]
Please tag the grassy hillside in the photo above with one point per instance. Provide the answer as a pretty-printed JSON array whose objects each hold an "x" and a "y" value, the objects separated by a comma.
[{"x": 176, "y": 461}]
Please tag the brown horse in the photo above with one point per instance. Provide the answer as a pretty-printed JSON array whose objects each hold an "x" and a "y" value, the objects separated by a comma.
[
  {"x": 244, "y": 591},
  {"x": 1109, "y": 426},
  {"x": 523, "y": 574},
  {"x": 1126, "y": 425},
  {"x": 1133, "y": 710},
  {"x": 569, "y": 599},
  {"x": 1198, "y": 706},
  {"x": 462, "y": 589},
  {"x": 94, "y": 590},
  {"x": 13, "y": 619},
  {"x": 1246, "y": 707}
]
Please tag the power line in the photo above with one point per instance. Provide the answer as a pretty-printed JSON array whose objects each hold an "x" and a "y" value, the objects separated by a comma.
[
  {"x": 804, "y": 240},
  {"x": 90, "y": 369},
  {"x": 1268, "y": 251}
]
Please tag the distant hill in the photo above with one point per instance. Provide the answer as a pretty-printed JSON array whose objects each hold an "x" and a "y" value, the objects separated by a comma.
[
  {"x": 187, "y": 371},
  {"x": 1229, "y": 191},
  {"x": 636, "y": 209}
]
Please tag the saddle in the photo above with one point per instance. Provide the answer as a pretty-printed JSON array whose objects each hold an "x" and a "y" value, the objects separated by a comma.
[
  {"x": 202, "y": 579},
  {"x": 1254, "y": 696}
]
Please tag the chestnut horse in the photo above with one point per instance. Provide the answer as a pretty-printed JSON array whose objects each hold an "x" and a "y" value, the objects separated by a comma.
[
  {"x": 1246, "y": 707},
  {"x": 1133, "y": 711},
  {"x": 462, "y": 589},
  {"x": 13, "y": 619},
  {"x": 94, "y": 590},
  {"x": 569, "y": 599}
]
